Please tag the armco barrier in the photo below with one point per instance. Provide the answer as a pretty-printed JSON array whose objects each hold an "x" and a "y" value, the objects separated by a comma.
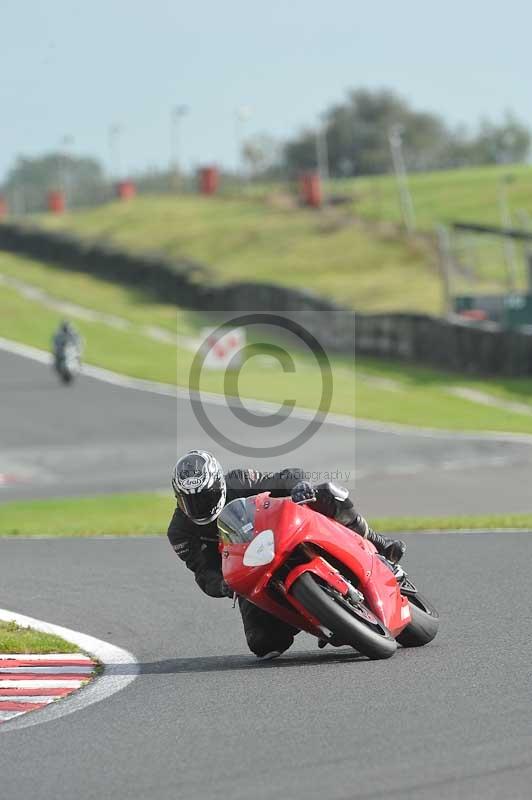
[{"x": 454, "y": 344}]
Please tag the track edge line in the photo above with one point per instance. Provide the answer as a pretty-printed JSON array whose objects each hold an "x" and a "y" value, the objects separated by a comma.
[{"x": 341, "y": 420}]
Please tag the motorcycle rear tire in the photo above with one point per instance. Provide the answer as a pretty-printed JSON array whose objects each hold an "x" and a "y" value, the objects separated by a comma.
[
  {"x": 372, "y": 641},
  {"x": 424, "y": 625}
]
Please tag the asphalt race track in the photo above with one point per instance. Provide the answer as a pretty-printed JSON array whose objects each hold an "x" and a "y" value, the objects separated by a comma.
[
  {"x": 94, "y": 437},
  {"x": 204, "y": 719}
]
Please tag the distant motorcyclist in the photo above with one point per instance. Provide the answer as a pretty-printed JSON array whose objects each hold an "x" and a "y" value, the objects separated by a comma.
[
  {"x": 64, "y": 335},
  {"x": 202, "y": 490}
]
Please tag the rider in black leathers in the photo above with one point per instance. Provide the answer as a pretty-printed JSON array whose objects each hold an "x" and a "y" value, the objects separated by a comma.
[
  {"x": 193, "y": 531},
  {"x": 65, "y": 334}
]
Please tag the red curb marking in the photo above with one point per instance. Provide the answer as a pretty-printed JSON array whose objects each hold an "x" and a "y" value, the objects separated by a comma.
[
  {"x": 37, "y": 692},
  {"x": 16, "y": 700},
  {"x": 19, "y": 662},
  {"x": 37, "y": 676}
]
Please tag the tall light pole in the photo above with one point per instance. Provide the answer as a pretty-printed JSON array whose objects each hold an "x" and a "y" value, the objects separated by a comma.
[
  {"x": 506, "y": 223},
  {"x": 322, "y": 157},
  {"x": 178, "y": 113},
  {"x": 242, "y": 116},
  {"x": 115, "y": 153},
  {"x": 525, "y": 220},
  {"x": 401, "y": 176},
  {"x": 63, "y": 171}
]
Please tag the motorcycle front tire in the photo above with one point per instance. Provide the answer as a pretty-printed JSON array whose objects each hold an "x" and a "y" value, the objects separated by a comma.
[{"x": 372, "y": 640}]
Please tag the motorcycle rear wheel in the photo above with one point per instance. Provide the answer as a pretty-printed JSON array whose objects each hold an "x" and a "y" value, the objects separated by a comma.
[
  {"x": 359, "y": 629},
  {"x": 424, "y": 625}
]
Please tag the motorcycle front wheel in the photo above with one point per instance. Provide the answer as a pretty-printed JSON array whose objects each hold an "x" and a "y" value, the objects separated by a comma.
[{"x": 352, "y": 623}]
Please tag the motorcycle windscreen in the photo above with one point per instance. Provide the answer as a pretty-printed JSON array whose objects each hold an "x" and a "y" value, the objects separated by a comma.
[{"x": 236, "y": 523}]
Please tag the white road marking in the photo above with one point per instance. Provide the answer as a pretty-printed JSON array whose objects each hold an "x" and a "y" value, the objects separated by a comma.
[
  {"x": 120, "y": 668},
  {"x": 67, "y": 308},
  {"x": 35, "y": 684},
  {"x": 5, "y": 715},
  {"x": 485, "y": 399},
  {"x": 25, "y": 350},
  {"x": 30, "y": 698},
  {"x": 73, "y": 669},
  {"x": 340, "y": 420}
]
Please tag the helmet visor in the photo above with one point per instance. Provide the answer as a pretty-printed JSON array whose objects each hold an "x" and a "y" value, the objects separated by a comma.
[{"x": 201, "y": 506}]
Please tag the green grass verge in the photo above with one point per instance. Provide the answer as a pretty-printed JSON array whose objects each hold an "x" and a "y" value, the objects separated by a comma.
[
  {"x": 149, "y": 514},
  {"x": 411, "y": 395},
  {"x": 117, "y": 515},
  {"x": 376, "y": 389},
  {"x": 482, "y": 522},
  {"x": 14, "y": 639}
]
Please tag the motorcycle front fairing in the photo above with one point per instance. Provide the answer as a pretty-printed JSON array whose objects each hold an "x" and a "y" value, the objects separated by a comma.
[
  {"x": 259, "y": 534},
  {"x": 251, "y": 536}
]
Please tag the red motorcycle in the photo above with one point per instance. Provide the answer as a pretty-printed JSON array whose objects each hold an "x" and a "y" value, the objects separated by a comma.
[{"x": 320, "y": 577}]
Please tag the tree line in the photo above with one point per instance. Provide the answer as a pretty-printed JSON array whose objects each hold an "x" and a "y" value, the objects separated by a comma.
[
  {"x": 354, "y": 133},
  {"x": 357, "y": 131}
]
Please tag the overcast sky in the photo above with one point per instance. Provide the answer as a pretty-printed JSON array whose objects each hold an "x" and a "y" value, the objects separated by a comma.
[{"x": 74, "y": 67}]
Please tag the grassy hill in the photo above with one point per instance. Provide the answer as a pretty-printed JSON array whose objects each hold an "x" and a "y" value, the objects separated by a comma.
[
  {"x": 367, "y": 267},
  {"x": 354, "y": 253},
  {"x": 469, "y": 195}
]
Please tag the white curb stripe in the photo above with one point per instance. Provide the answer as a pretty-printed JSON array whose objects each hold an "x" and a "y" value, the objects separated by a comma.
[
  {"x": 31, "y": 698},
  {"x": 5, "y": 715},
  {"x": 343, "y": 421},
  {"x": 31, "y": 684},
  {"x": 120, "y": 668},
  {"x": 73, "y": 670}
]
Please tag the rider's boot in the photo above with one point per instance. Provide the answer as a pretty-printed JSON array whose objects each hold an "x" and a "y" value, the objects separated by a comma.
[
  {"x": 270, "y": 656},
  {"x": 391, "y": 549}
]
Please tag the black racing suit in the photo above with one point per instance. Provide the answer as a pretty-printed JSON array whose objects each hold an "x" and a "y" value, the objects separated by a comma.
[
  {"x": 197, "y": 546},
  {"x": 60, "y": 341}
]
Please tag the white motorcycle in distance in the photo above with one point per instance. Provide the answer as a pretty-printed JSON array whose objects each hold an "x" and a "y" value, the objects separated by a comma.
[{"x": 68, "y": 362}]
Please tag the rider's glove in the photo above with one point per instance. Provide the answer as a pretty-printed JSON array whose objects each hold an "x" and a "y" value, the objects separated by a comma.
[
  {"x": 303, "y": 492},
  {"x": 394, "y": 549}
]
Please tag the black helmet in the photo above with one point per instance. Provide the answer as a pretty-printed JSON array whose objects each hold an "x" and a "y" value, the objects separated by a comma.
[{"x": 199, "y": 486}]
